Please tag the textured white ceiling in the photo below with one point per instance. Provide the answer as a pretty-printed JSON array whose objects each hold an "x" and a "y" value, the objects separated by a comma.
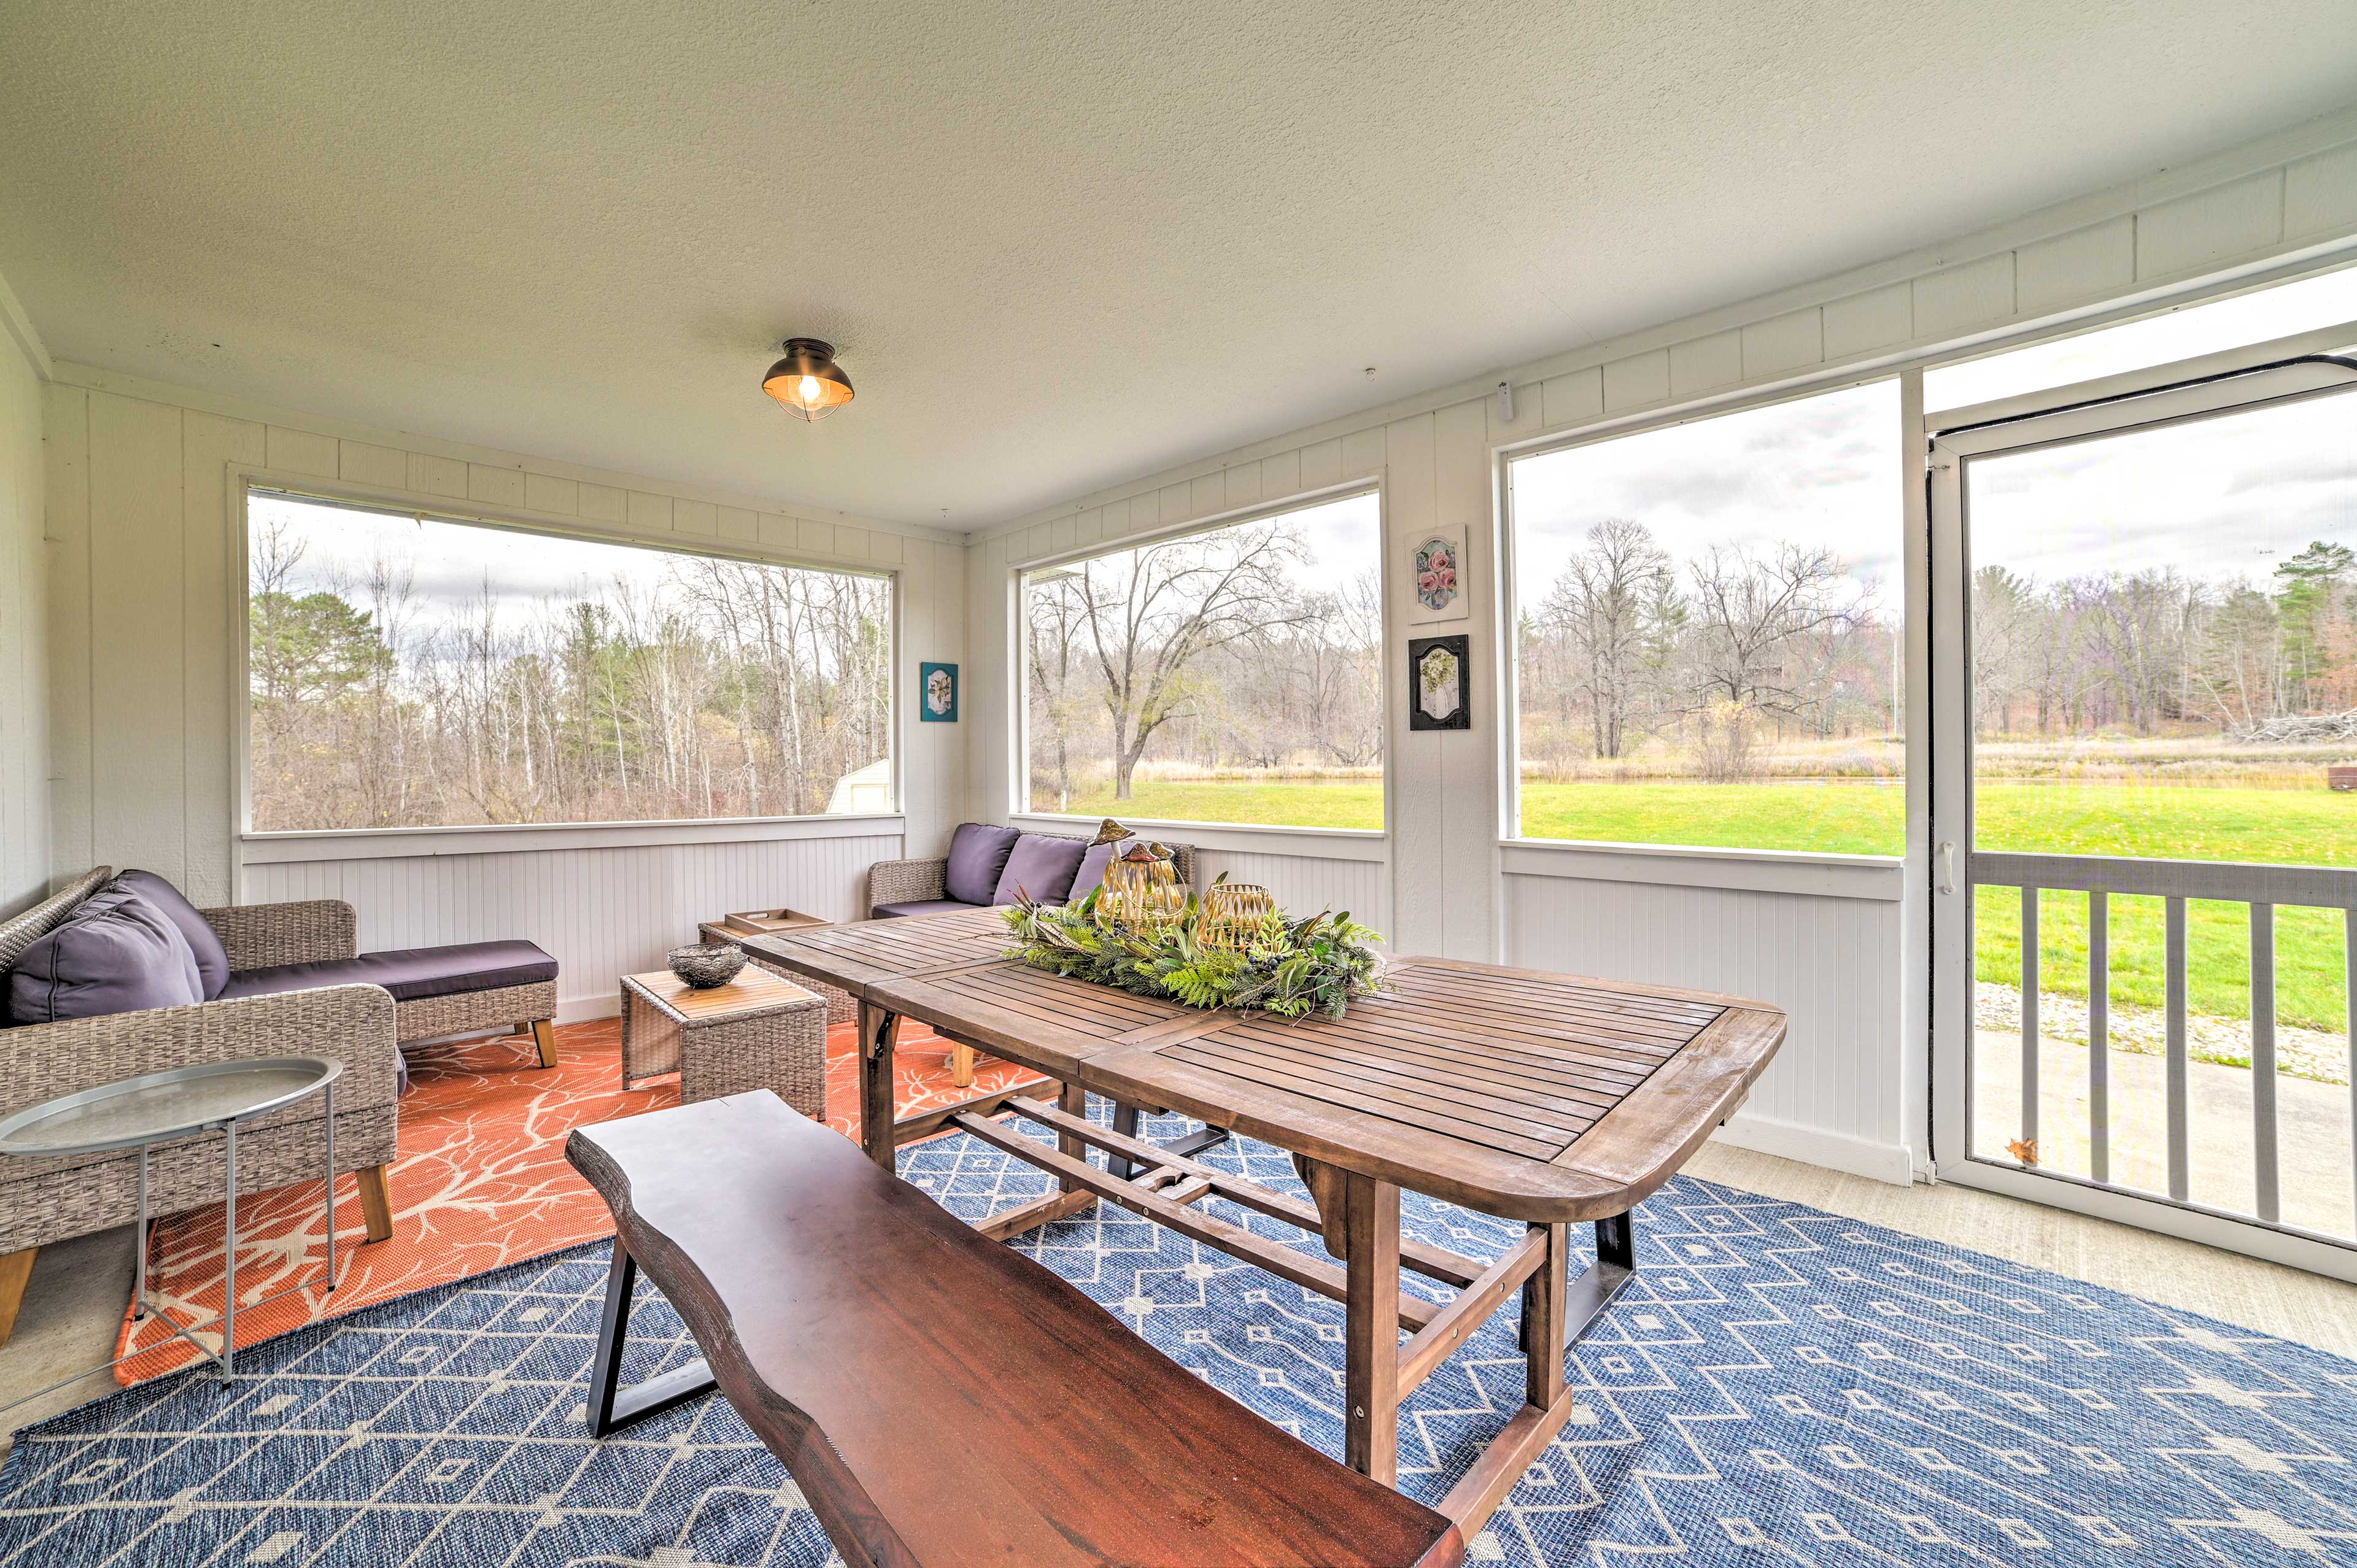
[{"x": 1060, "y": 244}]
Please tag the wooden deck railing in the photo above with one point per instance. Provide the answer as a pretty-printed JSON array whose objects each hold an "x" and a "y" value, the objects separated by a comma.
[{"x": 2262, "y": 887}]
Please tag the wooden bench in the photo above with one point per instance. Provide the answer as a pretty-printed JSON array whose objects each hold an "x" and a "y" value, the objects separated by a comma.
[{"x": 940, "y": 1399}]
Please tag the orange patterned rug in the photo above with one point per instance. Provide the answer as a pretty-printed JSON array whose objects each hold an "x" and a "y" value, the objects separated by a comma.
[{"x": 480, "y": 1183}]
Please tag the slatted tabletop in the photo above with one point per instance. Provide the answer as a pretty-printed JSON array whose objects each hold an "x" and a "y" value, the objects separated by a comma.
[
  {"x": 856, "y": 956},
  {"x": 1526, "y": 1094}
]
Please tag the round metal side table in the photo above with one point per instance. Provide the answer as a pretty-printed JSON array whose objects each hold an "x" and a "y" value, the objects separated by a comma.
[{"x": 165, "y": 1107}]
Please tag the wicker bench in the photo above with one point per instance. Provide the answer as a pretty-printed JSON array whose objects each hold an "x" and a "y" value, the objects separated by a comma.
[{"x": 940, "y": 1399}]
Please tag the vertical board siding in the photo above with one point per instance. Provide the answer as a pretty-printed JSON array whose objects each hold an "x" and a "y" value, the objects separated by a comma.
[
  {"x": 1833, "y": 964},
  {"x": 24, "y": 623},
  {"x": 137, "y": 630},
  {"x": 1302, "y": 885},
  {"x": 603, "y": 913}
]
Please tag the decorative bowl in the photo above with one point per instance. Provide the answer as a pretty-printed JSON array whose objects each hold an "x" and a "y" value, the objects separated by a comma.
[{"x": 705, "y": 965}]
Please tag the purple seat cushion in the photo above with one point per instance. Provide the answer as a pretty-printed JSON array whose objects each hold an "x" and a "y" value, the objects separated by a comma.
[
  {"x": 1040, "y": 866},
  {"x": 212, "y": 959},
  {"x": 116, "y": 953},
  {"x": 411, "y": 974},
  {"x": 1090, "y": 876},
  {"x": 978, "y": 853},
  {"x": 920, "y": 906}
]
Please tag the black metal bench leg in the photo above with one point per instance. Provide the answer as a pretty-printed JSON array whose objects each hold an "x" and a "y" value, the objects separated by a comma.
[
  {"x": 612, "y": 1406},
  {"x": 1592, "y": 1292},
  {"x": 1125, "y": 1121}
]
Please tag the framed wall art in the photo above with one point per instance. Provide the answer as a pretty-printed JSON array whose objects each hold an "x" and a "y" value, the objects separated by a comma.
[
  {"x": 1436, "y": 576},
  {"x": 1439, "y": 683},
  {"x": 937, "y": 687}
]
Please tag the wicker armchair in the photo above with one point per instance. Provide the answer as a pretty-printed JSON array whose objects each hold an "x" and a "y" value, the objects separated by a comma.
[
  {"x": 916, "y": 880},
  {"x": 47, "y": 1200}
]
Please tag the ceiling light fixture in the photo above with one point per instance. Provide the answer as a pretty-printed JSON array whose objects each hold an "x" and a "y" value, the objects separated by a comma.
[{"x": 807, "y": 382}]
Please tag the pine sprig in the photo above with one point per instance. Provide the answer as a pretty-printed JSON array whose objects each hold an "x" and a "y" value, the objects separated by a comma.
[{"x": 1291, "y": 968}]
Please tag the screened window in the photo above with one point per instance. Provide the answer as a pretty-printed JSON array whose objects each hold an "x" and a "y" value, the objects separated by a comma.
[
  {"x": 415, "y": 673},
  {"x": 1228, "y": 676},
  {"x": 1708, "y": 642}
]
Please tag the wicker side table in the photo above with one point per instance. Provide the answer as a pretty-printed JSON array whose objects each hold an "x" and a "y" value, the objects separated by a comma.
[
  {"x": 842, "y": 1007},
  {"x": 758, "y": 1031}
]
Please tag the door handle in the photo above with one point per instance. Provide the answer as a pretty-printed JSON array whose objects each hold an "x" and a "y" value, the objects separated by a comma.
[{"x": 1945, "y": 872}]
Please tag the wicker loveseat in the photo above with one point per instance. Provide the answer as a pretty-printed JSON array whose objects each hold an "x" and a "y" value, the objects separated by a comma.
[
  {"x": 904, "y": 882},
  {"x": 47, "y": 1200}
]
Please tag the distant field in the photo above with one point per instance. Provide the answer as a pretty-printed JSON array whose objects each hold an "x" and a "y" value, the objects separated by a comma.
[{"x": 2311, "y": 827}]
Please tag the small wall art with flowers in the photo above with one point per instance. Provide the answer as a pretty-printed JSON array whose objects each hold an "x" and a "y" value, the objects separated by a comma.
[{"x": 1437, "y": 579}]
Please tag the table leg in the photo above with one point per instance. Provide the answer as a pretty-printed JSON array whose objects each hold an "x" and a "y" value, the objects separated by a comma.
[
  {"x": 1371, "y": 1384},
  {"x": 878, "y": 1101},
  {"x": 1073, "y": 1101},
  {"x": 960, "y": 1065},
  {"x": 1544, "y": 1326}
]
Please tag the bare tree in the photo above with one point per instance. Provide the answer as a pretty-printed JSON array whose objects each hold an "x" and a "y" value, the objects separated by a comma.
[
  {"x": 1150, "y": 615},
  {"x": 1604, "y": 604}
]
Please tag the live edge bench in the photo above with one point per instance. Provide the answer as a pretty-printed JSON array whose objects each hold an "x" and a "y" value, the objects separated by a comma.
[{"x": 940, "y": 1397}]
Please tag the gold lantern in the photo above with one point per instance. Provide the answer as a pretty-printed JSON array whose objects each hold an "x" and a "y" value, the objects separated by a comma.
[
  {"x": 1142, "y": 889},
  {"x": 1233, "y": 913}
]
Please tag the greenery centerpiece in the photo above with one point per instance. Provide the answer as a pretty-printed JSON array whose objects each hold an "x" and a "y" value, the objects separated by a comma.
[{"x": 1273, "y": 965}]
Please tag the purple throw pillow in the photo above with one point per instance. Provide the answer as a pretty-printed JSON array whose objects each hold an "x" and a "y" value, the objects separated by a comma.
[
  {"x": 116, "y": 953},
  {"x": 1042, "y": 866},
  {"x": 1090, "y": 876},
  {"x": 977, "y": 854},
  {"x": 212, "y": 959}
]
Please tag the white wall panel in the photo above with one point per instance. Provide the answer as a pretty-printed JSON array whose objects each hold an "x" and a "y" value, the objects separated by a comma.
[
  {"x": 1302, "y": 885},
  {"x": 23, "y": 620},
  {"x": 603, "y": 913},
  {"x": 1833, "y": 1095}
]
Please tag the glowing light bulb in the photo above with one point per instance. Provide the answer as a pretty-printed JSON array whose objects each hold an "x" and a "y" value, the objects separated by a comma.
[{"x": 807, "y": 390}]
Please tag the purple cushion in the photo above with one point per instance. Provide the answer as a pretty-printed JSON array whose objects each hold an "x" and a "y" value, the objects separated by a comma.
[
  {"x": 1040, "y": 866},
  {"x": 920, "y": 906},
  {"x": 977, "y": 854},
  {"x": 1090, "y": 876},
  {"x": 410, "y": 973},
  {"x": 212, "y": 959},
  {"x": 116, "y": 953}
]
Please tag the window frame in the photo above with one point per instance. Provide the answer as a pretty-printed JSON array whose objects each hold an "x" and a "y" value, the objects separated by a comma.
[
  {"x": 1507, "y": 675},
  {"x": 1341, "y": 843},
  {"x": 272, "y": 845}
]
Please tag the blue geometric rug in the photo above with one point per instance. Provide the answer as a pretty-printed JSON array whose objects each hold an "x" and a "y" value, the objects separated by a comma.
[{"x": 1777, "y": 1386}]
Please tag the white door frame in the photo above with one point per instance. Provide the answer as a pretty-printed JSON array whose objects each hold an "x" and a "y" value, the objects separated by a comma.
[{"x": 2237, "y": 381}]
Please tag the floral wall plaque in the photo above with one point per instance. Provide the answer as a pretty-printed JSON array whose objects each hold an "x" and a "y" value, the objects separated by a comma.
[{"x": 1437, "y": 579}]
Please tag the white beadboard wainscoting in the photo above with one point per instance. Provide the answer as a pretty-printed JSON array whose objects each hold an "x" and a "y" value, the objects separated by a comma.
[
  {"x": 1821, "y": 937},
  {"x": 604, "y": 910}
]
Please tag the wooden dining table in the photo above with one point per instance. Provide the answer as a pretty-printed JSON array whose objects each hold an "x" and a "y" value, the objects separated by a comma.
[{"x": 1548, "y": 1099}]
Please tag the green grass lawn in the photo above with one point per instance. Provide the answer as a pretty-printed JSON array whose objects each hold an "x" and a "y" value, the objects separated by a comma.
[{"x": 2312, "y": 827}]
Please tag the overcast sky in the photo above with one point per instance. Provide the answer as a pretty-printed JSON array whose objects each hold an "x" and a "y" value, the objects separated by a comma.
[
  {"x": 452, "y": 562},
  {"x": 1823, "y": 470}
]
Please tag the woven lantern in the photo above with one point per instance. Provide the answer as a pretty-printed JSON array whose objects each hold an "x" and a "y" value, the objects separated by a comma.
[
  {"x": 1142, "y": 889},
  {"x": 1233, "y": 913}
]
